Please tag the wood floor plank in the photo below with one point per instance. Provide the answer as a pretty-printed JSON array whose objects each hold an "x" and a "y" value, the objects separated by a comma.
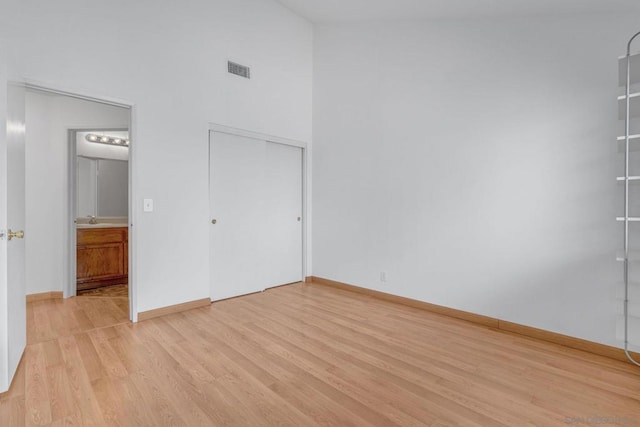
[
  {"x": 37, "y": 392},
  {"x": 300, "y": 355},
  {"x": 357, "y": 363},
  {"x": 244, "y": 369},
  {"x": 281, "y": 367},
  {"x": 61, "y": 399},
  {"x": 84, "y": 399},
  {"x": 108, "y": 359}
]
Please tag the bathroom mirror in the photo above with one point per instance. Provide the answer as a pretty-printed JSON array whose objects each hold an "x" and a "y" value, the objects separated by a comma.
[
  {"x": 102, "y": 177},
  {"x": 102, "y": 187}
]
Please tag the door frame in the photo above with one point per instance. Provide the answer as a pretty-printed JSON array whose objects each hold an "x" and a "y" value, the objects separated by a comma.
[
  {"x": 70, "y": 265},
  {"x": 306, "y": 219}
]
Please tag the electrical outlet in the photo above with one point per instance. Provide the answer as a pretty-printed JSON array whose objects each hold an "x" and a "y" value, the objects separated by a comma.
[{"x": 383, "y": 276}]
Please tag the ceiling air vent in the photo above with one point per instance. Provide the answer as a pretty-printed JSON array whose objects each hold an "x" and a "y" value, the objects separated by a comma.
[{"x": 239, "y": 70}]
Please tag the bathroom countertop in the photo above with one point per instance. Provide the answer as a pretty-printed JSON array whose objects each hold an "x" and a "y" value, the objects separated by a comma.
[
  {"x": 102, "y": 222},
  {"x": 101, "y": 225}
]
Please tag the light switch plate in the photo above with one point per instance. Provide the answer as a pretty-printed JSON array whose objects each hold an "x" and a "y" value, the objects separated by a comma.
[{"x": 148, "y": 205}]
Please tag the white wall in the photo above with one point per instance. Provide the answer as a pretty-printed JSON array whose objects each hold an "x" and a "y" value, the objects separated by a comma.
[
  {"x": 169, "y": 60},
  {"x": 475, "y": 164},
  {"x": 49, "y": 118}
]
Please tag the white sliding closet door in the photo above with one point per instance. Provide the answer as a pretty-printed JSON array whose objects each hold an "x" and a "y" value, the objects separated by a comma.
[
  {"x": 284, "y": 214},
  {"x": 255, "y": 201},
  {"x": 237, "y": 203}
]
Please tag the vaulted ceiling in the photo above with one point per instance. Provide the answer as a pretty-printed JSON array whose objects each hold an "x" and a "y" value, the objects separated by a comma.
[{"x": 328, "y": 11}]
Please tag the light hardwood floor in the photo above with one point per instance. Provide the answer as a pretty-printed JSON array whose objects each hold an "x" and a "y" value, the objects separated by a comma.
[{"x": 302, "y": 355}]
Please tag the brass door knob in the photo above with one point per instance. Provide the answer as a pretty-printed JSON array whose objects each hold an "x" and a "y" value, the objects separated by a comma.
[{"x": 16, "y": 234}]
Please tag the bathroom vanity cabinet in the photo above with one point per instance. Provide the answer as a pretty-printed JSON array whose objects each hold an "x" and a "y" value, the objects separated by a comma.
[{"x": 102, "y": 257}]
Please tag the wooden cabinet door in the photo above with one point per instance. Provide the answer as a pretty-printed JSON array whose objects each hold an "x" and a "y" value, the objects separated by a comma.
[
  {"x": 102, "y": 257},
  {"x": 100, "y": 261},
  {"x": 125, "y": 249}
]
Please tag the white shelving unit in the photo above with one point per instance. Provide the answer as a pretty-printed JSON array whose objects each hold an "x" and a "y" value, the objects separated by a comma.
[
  {"x": 633, "y": 256},
  {"x": 634, "y": 100},
  {"x": 631, "y": 219},
  {"x": 622, "y": 70},
  {"x": 628, "y": 108},
  {"x": 633, "y": 139}
]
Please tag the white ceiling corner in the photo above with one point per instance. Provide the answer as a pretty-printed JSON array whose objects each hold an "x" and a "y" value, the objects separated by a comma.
[{"x": 336, "y": 11}]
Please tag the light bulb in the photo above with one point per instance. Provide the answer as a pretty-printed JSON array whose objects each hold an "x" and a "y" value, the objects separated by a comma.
[
  {"x": 104, "y": 139},
  {"x": 92, "y": 137}
]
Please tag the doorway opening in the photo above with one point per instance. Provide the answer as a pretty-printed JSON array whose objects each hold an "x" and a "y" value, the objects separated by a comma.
[
  {"x": 101, "y": 211},
  {"x": 78, "y": 198}
]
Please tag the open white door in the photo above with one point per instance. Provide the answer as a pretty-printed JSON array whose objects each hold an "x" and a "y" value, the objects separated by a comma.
[
  {"x": 256, "y": 213},
  {"x": 13, "y": 284}
]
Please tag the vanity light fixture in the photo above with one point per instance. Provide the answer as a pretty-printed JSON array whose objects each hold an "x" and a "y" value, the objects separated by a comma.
[{"x": 108, "y": 140}]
